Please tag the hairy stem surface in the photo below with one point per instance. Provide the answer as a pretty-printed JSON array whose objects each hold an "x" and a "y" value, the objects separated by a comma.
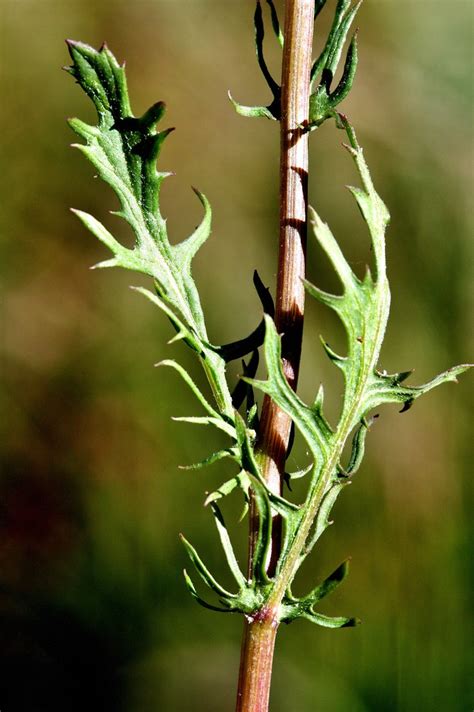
[
  {"x": 275, "y": 425},
  {"x": 256, "y": 661}
]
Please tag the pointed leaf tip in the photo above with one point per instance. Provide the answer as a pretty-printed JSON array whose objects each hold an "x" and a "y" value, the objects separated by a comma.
[
  {"x": 276, "y": 23},
  {"x": 252, "y": 112},
  {"x": 407, "y": 405}
]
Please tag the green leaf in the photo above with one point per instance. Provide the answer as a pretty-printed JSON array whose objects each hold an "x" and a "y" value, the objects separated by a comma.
[
  {"x": 245, "y": 440},
  {"x": 345, "y": 20},
  {"x": 273, "y": 111},
  {"x": 323, "y": 101},
  {"x": 388, "y": 389},
  {"x": 217, "y": 422},
  {"x": 182, "y": 331},
  {"x": 213, "y": 417},
  {"x": 293, "y": 608},
  {"x": 192, "y": 590},
  {"x": 299, "y": 473},
  {"x": 327, "y": 586},
  {"x": 277, "y": 387},
  {"x": 358, "y": 449},
  {"x": 252, "y": 112},
  {"x": 227, "y": 546},
  {"x": 363, "y": 308},
  {"x": 204, "y": 572},
  {"x": 186, "y": 250},
  {"x": 215, "y": 457},
  {"x": 189, "y": 381},
  {"x": 263, "y": 542},
  {"x": 330, "y": 246},
  {"x": 330, "y": 622},
  {"x": 241, "y": 481},
  {"x": 106, "y": 237},
  {"x": 321, "y": 521},
  {"x": 331, "y": 53},
  {"x": 276, "y": 23},
  {"x": 124, "y": 150},
  {"x": 348, "y": 75}
]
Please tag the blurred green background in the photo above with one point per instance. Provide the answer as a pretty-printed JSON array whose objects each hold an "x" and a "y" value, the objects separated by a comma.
[{"x": 93, "y": 610}]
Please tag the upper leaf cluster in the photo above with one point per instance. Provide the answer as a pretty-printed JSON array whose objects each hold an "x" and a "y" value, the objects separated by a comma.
[{"x": 323, "y": 98}]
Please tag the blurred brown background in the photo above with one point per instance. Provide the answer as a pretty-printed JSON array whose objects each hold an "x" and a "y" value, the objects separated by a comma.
[{"x": 93, "y": 610}]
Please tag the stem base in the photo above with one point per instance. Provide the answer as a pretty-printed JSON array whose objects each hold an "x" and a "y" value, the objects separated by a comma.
[{"x": 258, "y": 644}]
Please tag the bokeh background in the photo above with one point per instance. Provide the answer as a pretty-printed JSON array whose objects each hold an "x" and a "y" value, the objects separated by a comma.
[{"x": 93, "y": 610}]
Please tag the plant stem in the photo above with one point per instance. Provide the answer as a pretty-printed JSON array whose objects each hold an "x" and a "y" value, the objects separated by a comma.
[
  {"x": 256, "y": 660},
  {"x": 275, "y": 426}
]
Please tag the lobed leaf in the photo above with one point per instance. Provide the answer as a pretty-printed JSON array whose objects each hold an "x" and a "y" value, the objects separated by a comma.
[
  {"x": 363, "y": 308},
  {"x": 124, "y": 150}
]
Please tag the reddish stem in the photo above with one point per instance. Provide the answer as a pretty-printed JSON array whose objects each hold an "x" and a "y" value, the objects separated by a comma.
[
  {"x": 274, "y": 432},
  {"x": 256, "y": 662}
]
